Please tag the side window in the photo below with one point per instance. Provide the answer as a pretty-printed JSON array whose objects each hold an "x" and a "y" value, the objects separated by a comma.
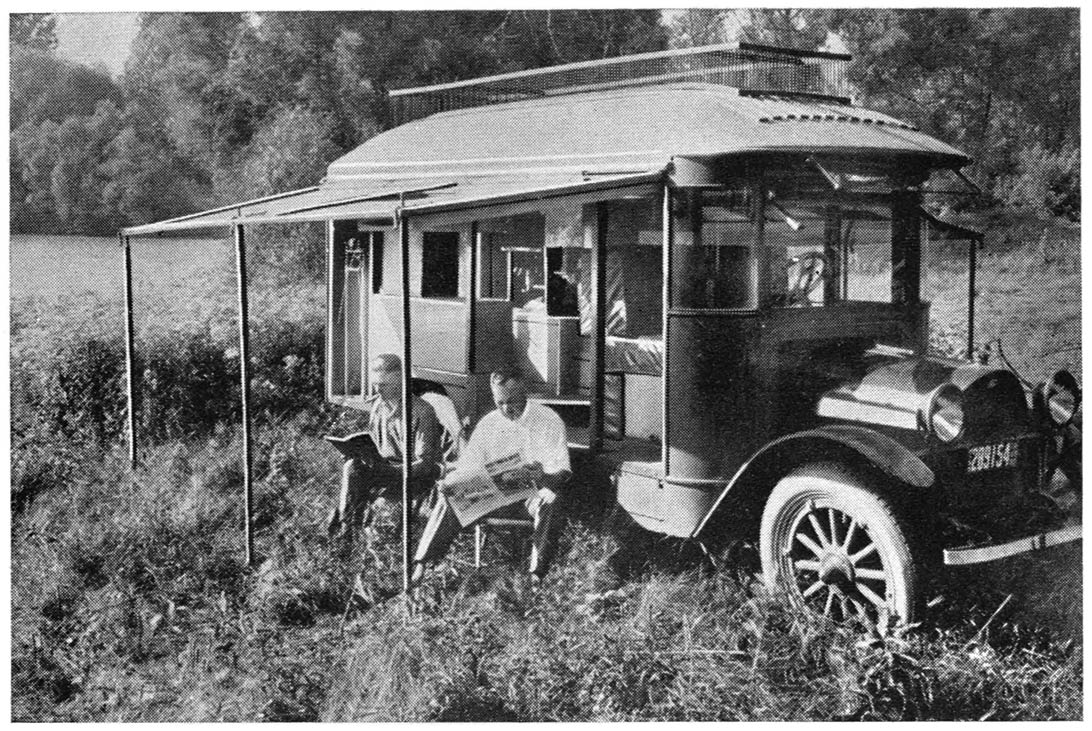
[
  {"x": 714, "y": 261},
  {"x": 562, "y": 296},
  {"x": 493, "y": 263},
  {"x": 528, "y": 286},
  {"x": 512, "y": 260},
  {"x": 377, "y": 262},
  {"x": 440, "y": 265}
]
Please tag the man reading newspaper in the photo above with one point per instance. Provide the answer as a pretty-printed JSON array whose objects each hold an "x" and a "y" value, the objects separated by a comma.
[{"x": 515, "y": 465}]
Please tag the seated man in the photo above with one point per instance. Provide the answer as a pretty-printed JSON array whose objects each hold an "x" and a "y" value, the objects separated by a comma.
[
  {"x": 365, "y": 482},
  {"x": 537, "y": 435}
]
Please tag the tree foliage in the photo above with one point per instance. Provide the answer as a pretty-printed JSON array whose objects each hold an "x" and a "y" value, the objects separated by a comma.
[
  {"x": 1001, "y": 84},
  {"x": 32, "y": 30},
  {"x": 213, "y": 106},
  {"x": 1004, "y": 85},
  {"x": 44, "y": 87}
]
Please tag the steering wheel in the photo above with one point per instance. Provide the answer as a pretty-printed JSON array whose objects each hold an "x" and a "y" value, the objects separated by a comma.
[{"x": 812, "y": 267}]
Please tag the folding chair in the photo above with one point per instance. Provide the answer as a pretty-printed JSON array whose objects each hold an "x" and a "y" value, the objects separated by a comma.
[{"x": 504, "y": 524}]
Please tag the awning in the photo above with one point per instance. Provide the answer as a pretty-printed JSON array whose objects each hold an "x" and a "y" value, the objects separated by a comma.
[
  {"x": 951, "y": 231},
  {"x": 380, "y": 201}
]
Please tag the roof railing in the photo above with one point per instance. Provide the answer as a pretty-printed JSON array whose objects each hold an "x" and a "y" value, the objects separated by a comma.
[{"x": 751, "y": 68}]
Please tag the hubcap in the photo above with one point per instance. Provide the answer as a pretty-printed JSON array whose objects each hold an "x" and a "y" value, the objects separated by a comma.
[
  {"x": 836, "y": 565},
  {"x": 835, "y": 568}
]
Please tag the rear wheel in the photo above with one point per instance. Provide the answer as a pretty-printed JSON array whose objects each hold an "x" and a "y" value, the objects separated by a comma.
[{"x": 836, "y": 547}]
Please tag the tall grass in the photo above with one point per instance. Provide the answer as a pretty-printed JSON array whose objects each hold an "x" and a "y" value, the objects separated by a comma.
[
  {"x": 130, "y": 601},
  {"x": 1028, "y": 298}
]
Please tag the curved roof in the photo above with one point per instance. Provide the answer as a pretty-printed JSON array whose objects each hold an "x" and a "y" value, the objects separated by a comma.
[
  {"x": 568, "y": 143},
  {"x": 632, "y": 130}
]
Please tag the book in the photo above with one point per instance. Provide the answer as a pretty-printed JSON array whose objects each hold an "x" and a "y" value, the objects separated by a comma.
[{"x": 358, "y": 445}]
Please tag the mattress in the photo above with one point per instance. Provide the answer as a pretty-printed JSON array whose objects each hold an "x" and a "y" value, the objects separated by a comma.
[{"x": 643, "y": 355}]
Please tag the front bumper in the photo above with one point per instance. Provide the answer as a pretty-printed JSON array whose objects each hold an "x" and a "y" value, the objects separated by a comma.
[
  {"x": 1000, "y": 490},
  {"x": 965, "y": 556}
]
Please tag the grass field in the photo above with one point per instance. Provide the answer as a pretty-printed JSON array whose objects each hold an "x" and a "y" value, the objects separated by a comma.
[{"x": 130, "y": 603}]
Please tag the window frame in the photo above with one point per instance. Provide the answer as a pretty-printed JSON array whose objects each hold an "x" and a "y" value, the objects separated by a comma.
[{"x": 340, "y": 368}]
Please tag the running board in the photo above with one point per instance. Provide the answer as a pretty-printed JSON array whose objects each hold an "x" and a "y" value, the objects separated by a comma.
[{"x": 993, "y": 552}]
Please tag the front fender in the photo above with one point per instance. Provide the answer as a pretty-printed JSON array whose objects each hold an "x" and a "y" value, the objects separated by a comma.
[{"x": 758, "y": 475}]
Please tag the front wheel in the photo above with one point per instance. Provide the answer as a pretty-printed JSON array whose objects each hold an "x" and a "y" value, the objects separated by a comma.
[{"x": 836, "y": 547}]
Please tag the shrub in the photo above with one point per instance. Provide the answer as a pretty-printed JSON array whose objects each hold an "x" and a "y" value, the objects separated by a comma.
[
  {"x": 68, "y": 383},
  {"x": 36, "y": 468},
  {"x": 1044, "y": 183}
]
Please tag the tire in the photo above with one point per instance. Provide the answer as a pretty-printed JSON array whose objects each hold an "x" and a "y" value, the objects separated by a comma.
[{"x": 867, "y": 571}]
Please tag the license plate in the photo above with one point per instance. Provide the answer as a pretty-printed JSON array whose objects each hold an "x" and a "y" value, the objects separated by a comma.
[{"x": 992, "y": 457}]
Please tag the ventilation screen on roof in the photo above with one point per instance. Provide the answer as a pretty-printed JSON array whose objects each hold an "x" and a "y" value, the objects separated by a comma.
[{"x": 753, "y": 69}]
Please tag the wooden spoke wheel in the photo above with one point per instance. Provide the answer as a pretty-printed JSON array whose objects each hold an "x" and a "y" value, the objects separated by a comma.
[{"x": 836, "y": 547}]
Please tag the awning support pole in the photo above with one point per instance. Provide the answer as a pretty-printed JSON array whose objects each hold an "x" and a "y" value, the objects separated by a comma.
[
  {"x": 407, "y": 405},
  {"x": 972, "y": 266},
  {"x": 244, "y": 384},
  {"x": 130, "y": 355},
  {"x": 599, "y": 320},
  {"x": 668, "y": 243},
  {"x": 471, "y": 309}
]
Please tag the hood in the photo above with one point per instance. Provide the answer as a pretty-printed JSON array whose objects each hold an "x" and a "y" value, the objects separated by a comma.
[{"x": 895, "y": 391}]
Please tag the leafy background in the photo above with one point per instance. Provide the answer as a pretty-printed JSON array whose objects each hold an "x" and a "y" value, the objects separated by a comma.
[
  {"x": 217, "y": 107},
  {"x": 130, "y": 601}
]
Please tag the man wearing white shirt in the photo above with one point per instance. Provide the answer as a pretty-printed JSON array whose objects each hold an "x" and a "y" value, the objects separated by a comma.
[{"x": 535, "y": 433}]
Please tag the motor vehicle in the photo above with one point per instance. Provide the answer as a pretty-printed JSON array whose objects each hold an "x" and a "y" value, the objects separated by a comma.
[{"x": 709, "y": 261}]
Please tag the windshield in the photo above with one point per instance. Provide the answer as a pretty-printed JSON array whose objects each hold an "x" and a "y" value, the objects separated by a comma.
[
  {"x": 816, "y": 250},
  {"x": 822, "y": 252}
]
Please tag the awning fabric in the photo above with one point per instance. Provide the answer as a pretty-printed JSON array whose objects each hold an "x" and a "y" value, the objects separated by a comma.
[{"x": 381, "y": 200}]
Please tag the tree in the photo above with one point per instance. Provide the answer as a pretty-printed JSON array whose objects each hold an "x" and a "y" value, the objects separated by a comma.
[
  {"x": 221, "y": 104},
  {"x": 33, "y": 30},
  {"x": 147, "y": 180},
  {"x": 175, "y": 76},
  {"x": 46, "y": 87},
  {"x": 701, "y": 27},
  {"x": 63, "y": 175},
  {"x": 290, "y": 152},
  {"x": 342, "y": 63},
  {"x": 803, "y": 29},
  {"x": 33, "y": 154},
  {"x": 534, "y": 38},
  {"x": 1001, "y": 84}
]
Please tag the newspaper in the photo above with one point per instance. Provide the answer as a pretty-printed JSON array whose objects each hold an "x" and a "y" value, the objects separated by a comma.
[{"x": 474, "y": 491}]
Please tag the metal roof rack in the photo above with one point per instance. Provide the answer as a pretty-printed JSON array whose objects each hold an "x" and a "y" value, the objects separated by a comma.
[{"x": 752, "y": 68}]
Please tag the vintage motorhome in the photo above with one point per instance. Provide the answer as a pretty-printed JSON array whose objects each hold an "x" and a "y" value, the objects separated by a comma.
[{"x": 709, "y": 261}]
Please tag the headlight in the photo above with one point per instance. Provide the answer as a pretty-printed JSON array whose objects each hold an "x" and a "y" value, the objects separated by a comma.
[
  {"x": 1062, "y": 397},
  {"x": 944, "y": 413}
]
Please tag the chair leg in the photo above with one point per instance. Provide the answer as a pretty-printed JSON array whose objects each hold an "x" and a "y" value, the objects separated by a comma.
[{"x": 479, "y": 539}]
